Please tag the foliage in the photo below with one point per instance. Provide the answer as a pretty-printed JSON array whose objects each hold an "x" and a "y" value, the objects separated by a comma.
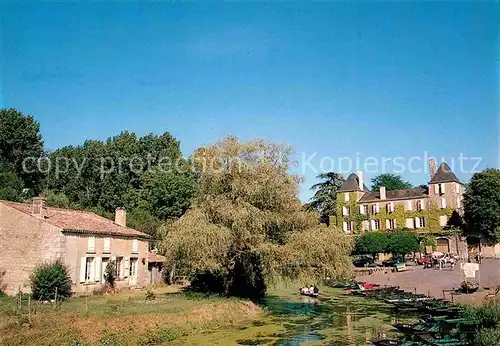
[
  {"x": 325, "y": 194},
  {"x": 427, "y": 241},
  {"x": 150, "y": 295},
  {"x": 397, "y": 243},
  {"x": 402, "y": 242},
  {"x": 110, "y": 274},
  {"x": 482, "y": 204},
  {"x": 247, "y": 209},
  {"x": 11, "y": 185},
  {"x": 49, "y": 278},
  {"x": 390, "y": 181},
  {"x": 487, "y": 317},
  {"x": 372, "y": 243},
  {"x": 20, "y": 138},
  {"x": 145, "y": 175}
]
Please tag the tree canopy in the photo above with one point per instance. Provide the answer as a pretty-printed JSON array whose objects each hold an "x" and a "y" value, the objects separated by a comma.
[
  {"x": 248, "y": 208},
  {"x": 21, "y": 143},
  {"x": 390, "y": 181},
  {"x": 145, "y": 175},
  {"x": 401, "y": 242},
  {"x": 482, "y": 204},
  {"x": 325, "y": 194}
]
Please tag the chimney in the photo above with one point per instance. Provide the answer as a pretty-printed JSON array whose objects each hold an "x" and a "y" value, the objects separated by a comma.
[
  {"x": 382, "y": 192},
  {"x": 360, "y": 180},
  {"x": 432, "y": 167},
  {"x": 121, "y": 217},
  {"x": 38, "y": 207}
]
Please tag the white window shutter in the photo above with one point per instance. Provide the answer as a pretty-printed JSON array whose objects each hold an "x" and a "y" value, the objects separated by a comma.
[
  {"x": 135, "y": 245},
  {"x": 422, "y": 203},
  {"x": 92, "y": 269},
  {"x": 107, "y": 244},
  {"x": 408, "y": 205},
  {"x": 442, "y": 187},
  {"x": 345, "y": 226},
  {"x": 457, "y": 187},
  {"x": 387, "y": 224},
  {"x": 97, "y": 271},
  {"x": 373, "y": 224},
  {"x": 443, "y": 203},
  {"x": 83, "y": 266},
  {"x": 91, "y": 244},
  {"x": 361, "y": 209},
  {"x": 126, "y": 267},
  {"x": 377, "y": 207},
  {"x": 346, "y": 196},
  {"x": 395, "y": 224},
  {"x": 104, "y": 266},
  {"x": 443, "y": 220},
  {"x": 436, "y": 189},
  {"x": 459, "y": 202},
  {"x": 122, "y": 268},
  {"x": 417, "y": 222}
]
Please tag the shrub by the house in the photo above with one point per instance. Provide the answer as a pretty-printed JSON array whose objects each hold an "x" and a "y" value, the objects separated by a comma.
[{"x": 50, "y": 280}]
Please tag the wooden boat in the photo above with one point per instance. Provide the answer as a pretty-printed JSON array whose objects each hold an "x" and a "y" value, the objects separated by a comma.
[{"x": 312, "y": 295}]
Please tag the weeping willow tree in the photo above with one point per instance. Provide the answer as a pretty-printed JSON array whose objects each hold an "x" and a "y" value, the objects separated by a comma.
[{"x": 247, "y": 224}]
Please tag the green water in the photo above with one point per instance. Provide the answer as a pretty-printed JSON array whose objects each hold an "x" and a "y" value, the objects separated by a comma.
[{"x": 291, "y": 320}]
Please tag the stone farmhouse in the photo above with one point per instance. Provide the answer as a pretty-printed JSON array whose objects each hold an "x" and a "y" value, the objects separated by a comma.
[
  {"x": 431, "y": 210},
  {"x": 31, "y": 233}
]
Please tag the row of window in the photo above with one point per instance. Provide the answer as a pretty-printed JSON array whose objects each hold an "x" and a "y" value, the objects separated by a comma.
[
  {"x": 375, "y": 208},
  {"x": 107, "y": 245},
  {"x": 417, "y": 222},
  {"x": 92, "y": 268}
]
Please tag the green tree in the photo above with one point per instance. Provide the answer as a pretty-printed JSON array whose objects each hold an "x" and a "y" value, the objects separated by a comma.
[
  {"x": 247, "y": 219},
  {"x": 402, "y": 243},
  {"x": 51, "y": 278},
  {"x": 482, "y": 204},
  {"x": 372, "y": 243},
  {"x": 20, "y": 139},
  {"x": 325, "y": 194},
  {"x": 390, "y": 181},
  {"x": 11, "y": 185}
]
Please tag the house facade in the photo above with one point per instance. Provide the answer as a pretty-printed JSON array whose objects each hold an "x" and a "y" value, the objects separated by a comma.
[
  {"x": 31, "y": 233},
  {"x": 426, "y": 210}
]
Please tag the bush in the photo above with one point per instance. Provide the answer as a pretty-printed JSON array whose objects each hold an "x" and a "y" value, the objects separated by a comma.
[
  {"x": 49, "y": 277},
  {"x": 402, "y": 243},
  {"x": 110, "y": 274}
]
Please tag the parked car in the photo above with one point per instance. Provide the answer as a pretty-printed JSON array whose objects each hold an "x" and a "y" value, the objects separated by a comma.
[
  {"x": 393, "y": 261},
  {"x": 426, "y": 261},
  {"x": 363, "y": 261}
]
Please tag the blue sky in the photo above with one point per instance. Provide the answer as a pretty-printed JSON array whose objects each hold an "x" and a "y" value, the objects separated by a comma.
[{"x": 339, "y": 80}]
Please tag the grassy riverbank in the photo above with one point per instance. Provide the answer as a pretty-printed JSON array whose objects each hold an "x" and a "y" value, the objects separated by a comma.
[{"x": 125, "y": 318}]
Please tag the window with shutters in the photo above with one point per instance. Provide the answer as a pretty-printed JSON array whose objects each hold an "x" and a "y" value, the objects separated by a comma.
[
  {"x": 421, "y": 221},
  {"x": 89, "y": 269},
  {"x": 410, "y": 223},
  {"x": 441, "y": 189},
  {"x": 107, "y": 245},
  {"x": 366, "y": 225},
  {"x": 133, "y": 268},
  {"x": 119, "y": 264},
  {"x": 419, "y": 205},
  {"x": 91, "y": 244},
  {"x": 346, "y": 196},
  {"x": 376, "y": 224},
  {"x": 392, "y": 224},
  {"x": 409, "y": 206},
  {"x": 363, "y": 209},
  {"x": 443, "y": 220},
  {"x": 135, "y": 246},
  {"x": 375, "y": 208},
  {"x": 347, "y": 226},
  {"x": 390, "y": 207},
  {"x": 443, "y": 203}
]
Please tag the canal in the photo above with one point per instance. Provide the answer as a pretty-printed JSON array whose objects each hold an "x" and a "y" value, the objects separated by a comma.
[{"x": 336, "y": 319}]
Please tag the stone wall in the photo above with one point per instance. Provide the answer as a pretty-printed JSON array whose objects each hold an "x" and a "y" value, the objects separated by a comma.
[{"x": 25, "y": 241}]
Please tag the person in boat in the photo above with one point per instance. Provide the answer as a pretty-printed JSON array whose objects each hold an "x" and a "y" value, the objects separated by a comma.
[
  {"x": 315, "y": 291},
  {"x": 311, "y": 289}
]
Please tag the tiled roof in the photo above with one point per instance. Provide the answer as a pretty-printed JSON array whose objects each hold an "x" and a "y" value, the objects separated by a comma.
[
  {"x": 78, "y": 221},
  {"x": 352, "y": 184},
  {"x": 155, "y": 258},
  {"x": 444, "y": 175},
  {"x": 395, "y": 195}
]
